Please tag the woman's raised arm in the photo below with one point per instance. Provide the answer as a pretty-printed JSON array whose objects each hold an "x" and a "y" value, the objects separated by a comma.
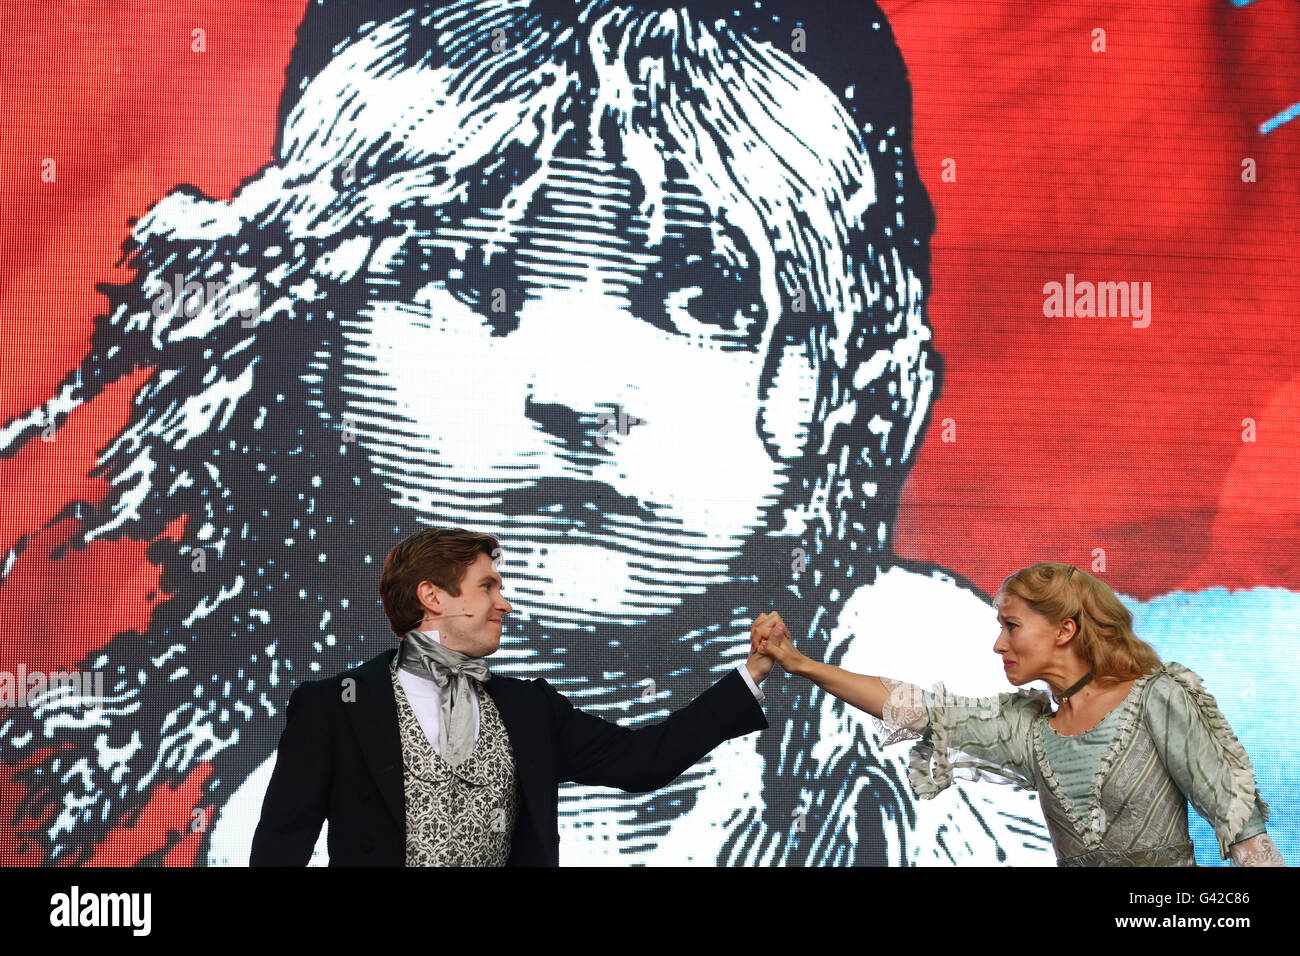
[{"x": 857, "y": 690}]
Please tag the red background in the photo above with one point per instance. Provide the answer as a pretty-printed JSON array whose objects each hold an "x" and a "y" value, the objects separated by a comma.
[{"x": 1072, "y": 434}]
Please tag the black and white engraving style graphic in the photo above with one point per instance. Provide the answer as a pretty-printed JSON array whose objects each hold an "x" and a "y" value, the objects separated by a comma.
[{"x": 640, "y": 289}]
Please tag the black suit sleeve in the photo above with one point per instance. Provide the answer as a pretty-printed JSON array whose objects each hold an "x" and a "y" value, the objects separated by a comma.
[
  {"x": 296, "y": 799},
  {"x": 594, "y": 751}
]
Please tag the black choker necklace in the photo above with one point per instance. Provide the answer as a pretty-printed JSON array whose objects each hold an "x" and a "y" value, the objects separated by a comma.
[{"x": 1076, "y": 686}]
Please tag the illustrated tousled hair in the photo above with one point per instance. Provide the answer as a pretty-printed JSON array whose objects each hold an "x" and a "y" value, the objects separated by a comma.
[{"x": 397, "y": 125}]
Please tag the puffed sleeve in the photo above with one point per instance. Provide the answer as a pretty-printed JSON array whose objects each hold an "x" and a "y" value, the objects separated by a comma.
[
  {"x": 1203, "y": 755},
  {"x": 984, "y": 738}
]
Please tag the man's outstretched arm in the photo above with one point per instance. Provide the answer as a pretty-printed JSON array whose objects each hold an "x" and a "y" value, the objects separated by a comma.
[
  {"x": 595, "y": 751},
  {"x": 294, "y": 806}
]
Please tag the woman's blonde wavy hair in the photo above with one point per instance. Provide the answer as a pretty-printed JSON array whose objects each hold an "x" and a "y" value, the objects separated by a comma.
[{"x": 1105, "y": 639}]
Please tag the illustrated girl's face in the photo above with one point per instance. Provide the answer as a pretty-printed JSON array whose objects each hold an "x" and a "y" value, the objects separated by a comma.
[{"x": 618, "y": 462}]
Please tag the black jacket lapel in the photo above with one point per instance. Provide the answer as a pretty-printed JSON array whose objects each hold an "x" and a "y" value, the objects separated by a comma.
[
  {"x": 372, "y": 709},
  {"x": 532, "y": 752}
]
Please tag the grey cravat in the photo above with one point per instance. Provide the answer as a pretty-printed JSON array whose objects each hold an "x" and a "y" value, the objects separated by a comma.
[{"x": 451, "y": 670}]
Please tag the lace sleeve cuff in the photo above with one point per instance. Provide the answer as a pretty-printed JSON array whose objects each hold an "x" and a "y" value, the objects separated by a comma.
[
  {"x": 903, "y": 714},
  {"x": 1259, "y": 850}
]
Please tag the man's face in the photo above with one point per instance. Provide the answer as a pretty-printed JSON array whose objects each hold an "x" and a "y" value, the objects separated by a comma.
[
  {"x": 471, "y": 621},
  {"x": 503, "y": 431}
]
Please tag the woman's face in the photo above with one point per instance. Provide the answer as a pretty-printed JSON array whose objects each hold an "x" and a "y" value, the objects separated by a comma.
[{"x": 1026, "y": 641}]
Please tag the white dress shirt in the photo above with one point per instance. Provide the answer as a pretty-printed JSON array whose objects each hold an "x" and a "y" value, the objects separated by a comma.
[{"x": 425, "y": 698}]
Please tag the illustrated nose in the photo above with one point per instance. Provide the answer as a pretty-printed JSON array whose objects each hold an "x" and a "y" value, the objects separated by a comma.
[{"x": 575, "y": 429}]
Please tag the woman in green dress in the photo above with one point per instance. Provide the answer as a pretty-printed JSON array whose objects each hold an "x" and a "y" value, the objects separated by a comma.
[{"x": 1129, "y": 743}]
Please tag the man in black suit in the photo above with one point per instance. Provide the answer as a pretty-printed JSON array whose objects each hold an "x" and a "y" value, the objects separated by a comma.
[{"x": 413, "y": 763}]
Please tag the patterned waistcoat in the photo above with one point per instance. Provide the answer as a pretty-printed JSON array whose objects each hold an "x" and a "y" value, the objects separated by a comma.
[{"x": 458, "y": 816}]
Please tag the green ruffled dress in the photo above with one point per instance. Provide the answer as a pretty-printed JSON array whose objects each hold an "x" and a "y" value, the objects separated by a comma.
[{"x": 1113, "y": 796}]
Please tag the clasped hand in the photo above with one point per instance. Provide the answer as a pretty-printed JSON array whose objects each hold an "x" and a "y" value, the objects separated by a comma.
[{"x": 769, "y": 642}]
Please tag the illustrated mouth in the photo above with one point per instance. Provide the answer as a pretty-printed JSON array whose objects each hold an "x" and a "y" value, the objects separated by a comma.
[{"x": 573, "y": 502}]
